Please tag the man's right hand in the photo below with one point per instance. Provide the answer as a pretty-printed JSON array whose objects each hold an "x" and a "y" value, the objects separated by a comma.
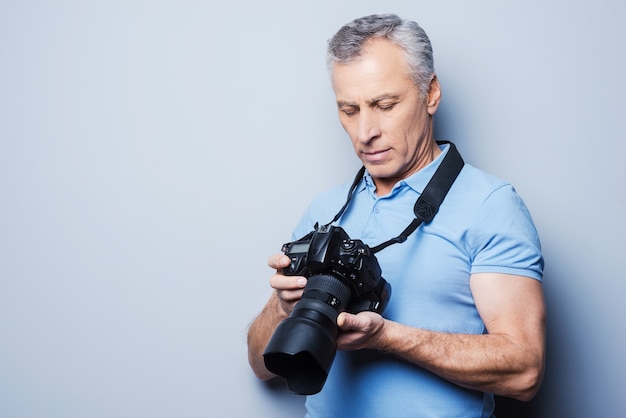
[
  {"x": 288, "y": 289},
  {"x": 287, "y": 292}
]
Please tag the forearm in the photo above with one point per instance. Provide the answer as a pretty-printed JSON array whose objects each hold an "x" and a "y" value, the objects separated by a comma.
[
  {"x": 487, "y": 362},
  {"x": 259, "y": 334}
]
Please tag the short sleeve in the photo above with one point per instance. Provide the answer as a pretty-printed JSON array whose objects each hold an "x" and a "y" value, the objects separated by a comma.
[{"x": 503, "y": 237}]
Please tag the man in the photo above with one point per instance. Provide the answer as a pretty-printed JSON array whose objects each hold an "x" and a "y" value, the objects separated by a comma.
[{"x": 466, "y": 318}]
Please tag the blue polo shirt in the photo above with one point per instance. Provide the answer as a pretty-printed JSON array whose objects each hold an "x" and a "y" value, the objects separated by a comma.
[{"x": 482, "y": 226}]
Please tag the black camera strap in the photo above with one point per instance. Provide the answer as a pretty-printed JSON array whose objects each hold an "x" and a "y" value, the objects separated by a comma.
[{"x": 428, "y": 203}]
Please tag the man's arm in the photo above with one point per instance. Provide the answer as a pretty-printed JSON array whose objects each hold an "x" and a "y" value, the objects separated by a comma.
[
  {"x": 287, "y": 292},
  {"x": 508, "y": 361},
  {"x": 259, "y": 334}
]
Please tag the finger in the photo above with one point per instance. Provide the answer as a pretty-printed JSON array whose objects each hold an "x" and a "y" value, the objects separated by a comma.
[
  {"x": 278, "y": 261},
  {"x": 282, "y": 282},
  {"x": 341, "y": 319},
  {"x": 345, "y": 321},
  {"x": 289, "y": 295}
]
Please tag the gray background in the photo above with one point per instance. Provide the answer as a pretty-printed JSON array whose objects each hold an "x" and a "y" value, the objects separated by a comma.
[{"x": 153, "y": 154}]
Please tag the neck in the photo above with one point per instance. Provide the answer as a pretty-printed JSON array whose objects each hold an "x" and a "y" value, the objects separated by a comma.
[{"x": 424, "y": 156}]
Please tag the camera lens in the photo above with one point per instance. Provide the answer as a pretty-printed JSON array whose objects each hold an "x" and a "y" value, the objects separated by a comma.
[{"x": 303, "y": 346}]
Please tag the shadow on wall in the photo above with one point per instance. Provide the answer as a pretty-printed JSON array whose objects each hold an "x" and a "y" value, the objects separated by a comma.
[{"x": 510, "y": 408}]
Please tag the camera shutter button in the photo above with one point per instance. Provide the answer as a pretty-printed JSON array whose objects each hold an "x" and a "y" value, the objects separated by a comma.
[
  {"x": 294, "y": 265},
  {"x": 348, "y": 244}
]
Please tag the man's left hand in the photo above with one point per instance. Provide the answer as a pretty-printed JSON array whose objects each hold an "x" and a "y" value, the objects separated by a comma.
[{"x": 359, "y": 331}]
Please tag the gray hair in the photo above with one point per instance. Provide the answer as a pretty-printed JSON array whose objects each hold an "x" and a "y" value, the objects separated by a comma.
[{"x": 346, "y": 45}]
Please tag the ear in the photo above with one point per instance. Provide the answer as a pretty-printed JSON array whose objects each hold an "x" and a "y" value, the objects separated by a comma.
[{"x": 434, "y": 95}]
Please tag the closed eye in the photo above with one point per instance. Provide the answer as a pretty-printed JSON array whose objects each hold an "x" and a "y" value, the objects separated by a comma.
[
  {"x": 387, "y": 106},
  {"x": 385, "y": 102},
  {"x": 349, "y": 110}
]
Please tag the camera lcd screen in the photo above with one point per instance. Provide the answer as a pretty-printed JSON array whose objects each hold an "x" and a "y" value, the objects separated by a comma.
[{"x": 302, "y": 247}]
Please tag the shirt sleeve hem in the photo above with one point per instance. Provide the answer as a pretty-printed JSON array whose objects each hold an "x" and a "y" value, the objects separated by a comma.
[{"x": 508, "y": 270}]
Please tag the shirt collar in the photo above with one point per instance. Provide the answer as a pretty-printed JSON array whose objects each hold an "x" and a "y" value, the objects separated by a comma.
[{"x": 416, "y": 181}]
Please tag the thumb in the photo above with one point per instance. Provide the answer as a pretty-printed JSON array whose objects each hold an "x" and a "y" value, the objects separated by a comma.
[{"x": 344, "y": 320}]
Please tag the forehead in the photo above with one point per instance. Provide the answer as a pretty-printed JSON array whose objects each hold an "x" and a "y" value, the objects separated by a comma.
[{"x": 380, "y": 69}]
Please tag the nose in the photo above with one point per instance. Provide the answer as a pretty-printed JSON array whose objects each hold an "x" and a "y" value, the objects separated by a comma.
[{"x": 368, "y": 127}]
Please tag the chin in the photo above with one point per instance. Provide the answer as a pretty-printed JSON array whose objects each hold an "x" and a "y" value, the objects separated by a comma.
[{"x": 380, "y": 172}]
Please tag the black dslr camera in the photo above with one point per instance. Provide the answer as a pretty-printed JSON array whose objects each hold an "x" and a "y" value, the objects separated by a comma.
[{"x": 343, "y": 275}]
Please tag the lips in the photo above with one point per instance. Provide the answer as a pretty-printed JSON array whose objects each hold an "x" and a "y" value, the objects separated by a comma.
[{"x": 375, "y": 156}]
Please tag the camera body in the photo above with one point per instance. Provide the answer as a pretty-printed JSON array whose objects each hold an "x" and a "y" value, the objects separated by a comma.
[
  {"x": 330, "y": 251},
  {"x": 343, "y": 275}
]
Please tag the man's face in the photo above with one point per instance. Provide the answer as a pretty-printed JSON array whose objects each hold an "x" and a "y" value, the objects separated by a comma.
[{"x": 381, "y": 109}]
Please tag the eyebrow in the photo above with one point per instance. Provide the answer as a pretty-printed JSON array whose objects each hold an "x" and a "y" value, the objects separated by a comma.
[{"x": 374, "y": 101}]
